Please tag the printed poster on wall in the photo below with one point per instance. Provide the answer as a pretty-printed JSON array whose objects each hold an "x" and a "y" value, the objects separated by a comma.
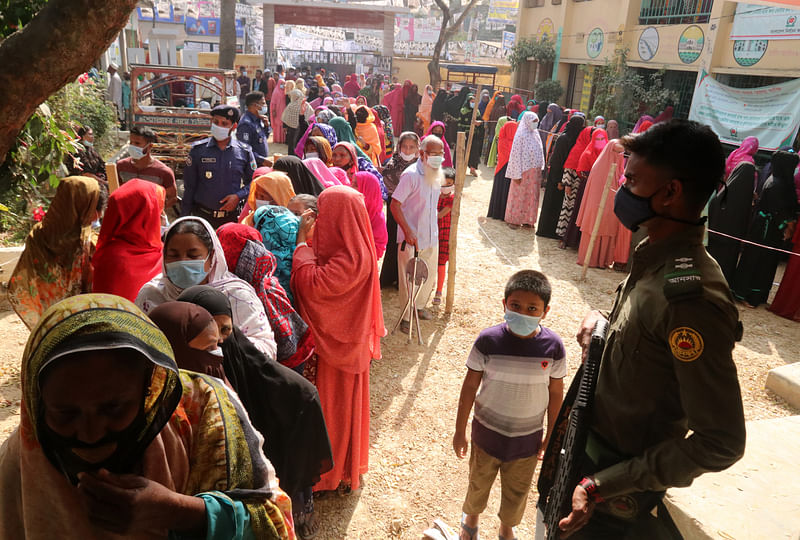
[
  {"x": 771, "y": 113},
  {"x": 754, "y": 21}
]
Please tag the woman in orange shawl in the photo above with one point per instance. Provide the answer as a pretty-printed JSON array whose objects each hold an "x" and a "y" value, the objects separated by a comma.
[
  {"x": 129, "y": 249},
  {"x": 367, "y": 135},
  {"x": 425, "y": 107},
  {"x": 340, "y": 275},
  {"x": 56, "y": 262},
  {"x": 272, "y": 188}
]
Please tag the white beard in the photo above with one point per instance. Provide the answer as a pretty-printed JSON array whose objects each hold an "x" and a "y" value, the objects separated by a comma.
[{"x": 433, "y": 177}]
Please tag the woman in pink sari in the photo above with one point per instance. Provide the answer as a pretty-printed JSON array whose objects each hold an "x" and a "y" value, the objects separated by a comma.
[
  {"x": 367, "y": 184},
  {"x": 604, "y": 246},
  {"x": 745, "y": 152},
  {"x": 277, "y": 105},
  {"x": 395, "y": 101}
]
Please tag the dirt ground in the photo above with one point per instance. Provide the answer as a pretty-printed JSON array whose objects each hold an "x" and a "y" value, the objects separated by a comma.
[{"x": 414, "y": 475}]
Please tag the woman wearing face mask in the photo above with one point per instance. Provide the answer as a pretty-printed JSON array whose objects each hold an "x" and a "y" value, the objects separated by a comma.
[
  {"x": 571, "y": 179},
  {"x": 272, "y": 188},
  {"x": 194, "y": 256},
  {"x": 283, "y": 406},
  {"x": 464, "y": 122},
  {"x": 346, "y": 158},
  {"x": 303, "y": 180},
  {"x": 86, "y": 162},
  {"x": 276, "y": 105},
  {"x": 408, "y": 145},
  {"x": 316, "y": 129},
  {"x": 172, "y": 452},
  {"x": 525, "y": 164},
  {"x": 438, "y": 128},
  {"x": 56, "y": 261},
  {"x": 572, "y": 235}
]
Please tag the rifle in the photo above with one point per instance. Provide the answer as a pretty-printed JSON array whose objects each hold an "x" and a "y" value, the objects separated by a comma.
[{"x": 557, "y": 500}]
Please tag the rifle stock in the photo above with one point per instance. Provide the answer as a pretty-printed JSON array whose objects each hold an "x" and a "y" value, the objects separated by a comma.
[{"x": 568, "y": 468}]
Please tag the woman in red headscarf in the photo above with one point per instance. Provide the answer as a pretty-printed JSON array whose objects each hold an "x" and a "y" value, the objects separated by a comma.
[
  {"x": 340, "y": 275},
  {"x": 514, "y": 107},
  {"x": 351, "y": 87},
  {"x": 395, "y": 101},
  {"x": 572, "y": 236},
  {"x": 129, "y": 248},
  {"x": 571, "y": 179}
]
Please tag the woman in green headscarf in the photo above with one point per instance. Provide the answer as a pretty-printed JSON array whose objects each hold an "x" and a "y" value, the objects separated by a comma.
[
  {"x": 492, "y": 159},
  {"x": 114, "y": 439},
  {"x": 464, "y": 122},
  {"x": 344, "y": 133}
]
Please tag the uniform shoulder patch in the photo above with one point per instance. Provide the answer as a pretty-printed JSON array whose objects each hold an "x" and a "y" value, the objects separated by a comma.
[
  {"x": 682, "y": 278},
  {"x": 686, "y": 344}
]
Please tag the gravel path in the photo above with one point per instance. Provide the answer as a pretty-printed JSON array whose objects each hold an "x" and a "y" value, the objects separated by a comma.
[{"x": 414, "y": 475}]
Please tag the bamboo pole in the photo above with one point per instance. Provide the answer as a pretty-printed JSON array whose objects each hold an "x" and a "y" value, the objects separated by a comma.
[
  {"x": 609, "y": 180},
  {"x": 112, "y": 177},
  {"x": 461, "y": 172},
  {"x": 462, "y": 154}
]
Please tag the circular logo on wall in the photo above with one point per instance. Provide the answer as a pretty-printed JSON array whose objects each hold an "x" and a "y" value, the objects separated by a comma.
[
  {"x": 594, "y": 43},
  {"x": 690, "y": 44},
  {"x": 747, "y": 52},
  {"x": 648, "y": 43},
  {"x": 546, "y": 28}
]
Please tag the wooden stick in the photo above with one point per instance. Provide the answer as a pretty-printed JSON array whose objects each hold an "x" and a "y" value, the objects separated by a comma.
[
  {"x": 461, "y": 172},
  {"x": 112, "y": 177},
  {"x": 609, "y": 180}
]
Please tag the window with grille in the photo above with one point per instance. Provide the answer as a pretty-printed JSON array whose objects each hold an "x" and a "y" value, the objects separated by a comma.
[
  {"x": 675, "y": 11},
  {"x": 748, "y": 81},
  {"x": 534, "y": 3},
  {"x": 682, "y": 83}
]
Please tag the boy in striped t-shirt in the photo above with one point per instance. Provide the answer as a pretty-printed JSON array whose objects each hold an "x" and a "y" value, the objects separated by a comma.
[{"x": 517, "y": 370}]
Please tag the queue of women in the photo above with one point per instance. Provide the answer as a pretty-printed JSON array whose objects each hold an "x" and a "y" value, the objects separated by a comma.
[{"x": 185, "y": 380}]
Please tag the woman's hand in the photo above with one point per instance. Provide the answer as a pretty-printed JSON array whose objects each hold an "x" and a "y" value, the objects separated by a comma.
[
  {"x": 307, "y": 222},
  {"x": 126, "y": 503}
]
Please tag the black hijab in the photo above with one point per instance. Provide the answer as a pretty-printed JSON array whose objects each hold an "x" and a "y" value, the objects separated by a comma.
[
  {"x": 281, "y": 403},
  {"x": 437, "y": 108},
  {"x": 455, "y": 103},
  {"x": 303, "y": 180}
]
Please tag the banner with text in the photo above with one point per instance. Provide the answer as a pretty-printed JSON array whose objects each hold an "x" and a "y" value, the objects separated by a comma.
[
  {"x": 771, "y": 113},
  {"x": 754, "y": 21}
]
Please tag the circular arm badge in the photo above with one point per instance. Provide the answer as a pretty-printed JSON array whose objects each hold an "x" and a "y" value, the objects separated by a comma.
[{"x": 686, "y": 344}]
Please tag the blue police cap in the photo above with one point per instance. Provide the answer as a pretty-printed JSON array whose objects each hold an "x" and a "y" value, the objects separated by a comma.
[{"x": 226, "y": 111}]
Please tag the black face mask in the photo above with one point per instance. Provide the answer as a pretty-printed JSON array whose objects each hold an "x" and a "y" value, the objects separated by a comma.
[
  {"x": 633, "y": 210},
  {"x": 127, "y": 454}
]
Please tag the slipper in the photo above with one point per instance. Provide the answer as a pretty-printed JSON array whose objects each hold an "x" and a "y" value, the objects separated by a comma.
[{"x": 472, "y": 532}]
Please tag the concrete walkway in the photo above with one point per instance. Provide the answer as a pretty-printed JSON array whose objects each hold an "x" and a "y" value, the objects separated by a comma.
[{"x": 757, "y": 498}]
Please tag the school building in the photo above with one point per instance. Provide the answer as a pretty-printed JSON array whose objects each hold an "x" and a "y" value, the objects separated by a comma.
[{"x": 742, "y": 45}]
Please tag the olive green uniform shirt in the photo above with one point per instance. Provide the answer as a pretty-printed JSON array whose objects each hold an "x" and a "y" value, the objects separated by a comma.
[{"x": 668, "y": 397}]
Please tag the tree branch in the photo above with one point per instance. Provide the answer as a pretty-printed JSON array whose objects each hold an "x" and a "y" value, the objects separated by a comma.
[{"x": 61, "y": 42}]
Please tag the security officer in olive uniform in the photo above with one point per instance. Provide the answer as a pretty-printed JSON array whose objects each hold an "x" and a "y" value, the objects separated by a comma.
[
  {"x": 667, "y": 367},
  {"x": 218, "y": 172}
]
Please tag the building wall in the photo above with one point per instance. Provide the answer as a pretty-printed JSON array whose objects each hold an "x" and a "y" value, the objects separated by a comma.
[
  {"x": 416, "y": 70},
  {"x": 678, "y": 48}
]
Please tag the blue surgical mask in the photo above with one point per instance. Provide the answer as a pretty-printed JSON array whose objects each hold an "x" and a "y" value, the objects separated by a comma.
[
  {"x": 521, "y": 325},
  {"x": 87, "y": 144},
  {"x": 220, "y": 133},
  {"x": 264, "y": 110},
  {"x": 136, "y": 152},
  {"x": 185, "y": 274}
]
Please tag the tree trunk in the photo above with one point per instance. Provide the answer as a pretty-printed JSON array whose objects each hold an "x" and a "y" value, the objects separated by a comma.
[
  {"x": 433, "y": 65},
  {"x": 446, "y": 32},
  {"x": 59, "y": 43},
  {"x": 227, "y": 34}
]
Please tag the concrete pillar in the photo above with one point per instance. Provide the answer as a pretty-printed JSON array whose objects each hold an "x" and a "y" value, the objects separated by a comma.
[
  {"x": 268, "y": 19},
  {"x": 388, "y": 34}
]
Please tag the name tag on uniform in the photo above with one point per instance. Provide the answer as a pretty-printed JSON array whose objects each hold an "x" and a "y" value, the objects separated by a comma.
[
  {"x": 208, "y": 160},
  {"x": 209, "y": 174}
]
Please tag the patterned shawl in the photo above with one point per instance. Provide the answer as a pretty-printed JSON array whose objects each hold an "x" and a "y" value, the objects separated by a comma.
[
  {"x": 278, "y": 228},
  {"x": 526, "y": 151}
]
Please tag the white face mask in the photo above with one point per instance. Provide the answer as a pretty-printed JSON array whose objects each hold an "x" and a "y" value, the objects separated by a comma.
[
  {"x": 435, "y": 162},
  {"x": 263, "y": 109},
  {"x": 408, "y": 157},
  {"x": 87, "y": 144},
  {"x": 448, "y": 190},
  {"x": 220, "y": 133},
  {"x": 260, "y": 203},
  {"x": 136, "y": 152},
  {"x": 310, "y": 155},
  {"x": 217, "y": 352}
]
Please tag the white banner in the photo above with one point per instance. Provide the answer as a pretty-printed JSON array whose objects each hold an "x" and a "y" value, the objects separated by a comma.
[
  {"x": 754, "y": 21},
  {"x": 771, "y": 113}
]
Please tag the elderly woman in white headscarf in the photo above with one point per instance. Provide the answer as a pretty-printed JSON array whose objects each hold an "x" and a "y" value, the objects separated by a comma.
[{"x": 525, "y": 165}]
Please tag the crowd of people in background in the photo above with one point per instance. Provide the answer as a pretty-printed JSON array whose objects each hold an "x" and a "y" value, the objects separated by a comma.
[{"x": 268, "y": 287}]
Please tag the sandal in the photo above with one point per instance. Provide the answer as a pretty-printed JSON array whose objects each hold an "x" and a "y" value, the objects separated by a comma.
[{"x": 472, "y": 532}]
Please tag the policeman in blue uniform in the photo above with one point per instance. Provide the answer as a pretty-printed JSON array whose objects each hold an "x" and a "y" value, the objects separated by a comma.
[
  {"x": 254, "y": 126},
  {"x": 218, "y": 171}
]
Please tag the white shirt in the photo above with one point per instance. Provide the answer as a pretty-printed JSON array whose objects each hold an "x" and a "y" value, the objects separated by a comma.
[
  {"x": 115, "y": 90},
  {"x": 419, "y": 201}
]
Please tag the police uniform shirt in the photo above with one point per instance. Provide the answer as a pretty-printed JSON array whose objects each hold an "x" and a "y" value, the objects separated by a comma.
[
  {"x": 212, "y": 174},
  {"x": 253, "y": 132},
  {"x": 667, "y": 369}
]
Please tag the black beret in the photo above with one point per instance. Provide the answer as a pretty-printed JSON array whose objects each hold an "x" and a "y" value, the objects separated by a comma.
[{"x": 226, "y": 111}]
